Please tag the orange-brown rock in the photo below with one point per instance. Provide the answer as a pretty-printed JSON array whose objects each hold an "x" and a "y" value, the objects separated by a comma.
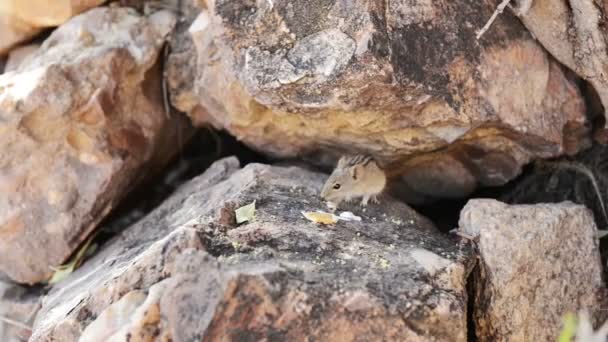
[
  {"x": 386, "y": 78},
  {"x": 81, "y": 122},
  {"x": 574, "y": 33},
  {"x": 13, "y": 31},
  {"x": 21, "y": 19}
]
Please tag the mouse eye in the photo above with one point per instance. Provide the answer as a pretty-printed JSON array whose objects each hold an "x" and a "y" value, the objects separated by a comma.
[{"x": 337, "y": 186}]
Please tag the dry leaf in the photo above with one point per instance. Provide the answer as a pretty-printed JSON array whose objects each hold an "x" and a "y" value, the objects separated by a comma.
[
  {"x": 65, "y": 270},
  {"x": 245, "y": 213},
  {"x": 320, "y": 217}
]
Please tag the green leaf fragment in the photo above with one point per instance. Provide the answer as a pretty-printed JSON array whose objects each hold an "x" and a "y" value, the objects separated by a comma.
[
  {"x": 61, "y": 272},
  {"x": 245, "y": 213},
  {"x": 569, "y": 330}
]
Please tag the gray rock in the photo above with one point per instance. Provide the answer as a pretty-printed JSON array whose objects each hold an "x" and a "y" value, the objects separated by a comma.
[
  {"x": 537, "y": 263},
  {"x": 18, "y": 55},
  {"x": 188, "y": 272},
  {"x": 18, "y": 308}
]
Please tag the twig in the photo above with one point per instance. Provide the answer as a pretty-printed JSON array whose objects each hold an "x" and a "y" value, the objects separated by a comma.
[
  {"x": 463, "y": 235},
  {"x": 165, "y": 90},
  {"x": 498, "y": 11},
  {"x": 15, "y": 323},
  {"x": 585, "y": 171}
]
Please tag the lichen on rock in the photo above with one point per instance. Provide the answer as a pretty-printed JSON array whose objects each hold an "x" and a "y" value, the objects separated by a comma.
[
  {"x": 390, "y": 80},
  {"x": 187, "y": 271}
]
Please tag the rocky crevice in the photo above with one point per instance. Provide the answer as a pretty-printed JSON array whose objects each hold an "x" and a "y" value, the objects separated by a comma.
[
  {"x": 358, "y": 267},
  {"x": 86, "y": 116}
]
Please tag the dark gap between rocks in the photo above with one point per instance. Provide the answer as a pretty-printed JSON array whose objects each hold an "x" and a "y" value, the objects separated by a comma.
[
  {"x": 204, "y": 148},
  {"x": 445, "y": 213},
  {"x": 471, "y": 286}
]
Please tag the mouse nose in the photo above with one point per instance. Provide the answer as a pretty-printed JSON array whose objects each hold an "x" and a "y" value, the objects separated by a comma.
[{"x": 326, "y": 194}]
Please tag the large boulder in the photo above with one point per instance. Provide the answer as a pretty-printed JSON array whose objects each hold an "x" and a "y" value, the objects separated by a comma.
[
  {"x": 81, "y": 122},
  {"x": 391, "y": 79},
  {"x": 188, "y": 272},
  {"x": 21, "y": 19},
  {"x": 574, "y": 33},
  {"x": 537, "y": 264}
]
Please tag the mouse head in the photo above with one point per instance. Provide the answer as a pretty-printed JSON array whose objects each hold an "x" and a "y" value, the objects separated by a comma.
[{"x": 342, "y": 181}]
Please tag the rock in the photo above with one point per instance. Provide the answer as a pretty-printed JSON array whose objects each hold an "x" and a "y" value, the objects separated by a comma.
[
  {"x": 18, "y": 55},
  {"x": 13, "y": 31},
  {"x": 188, "y": 272},
  {"x": 22, "y": 19},
  {"x": 573, "y": 32},
  {"x": 42, "y": 13},
  {"x": 394, "y": 80},
  {"x": 18, "y": 307},
  {"x": 81, "y": 123},
  {"x": 537, "y": 263},
  {"x": 580, "y": 179}
]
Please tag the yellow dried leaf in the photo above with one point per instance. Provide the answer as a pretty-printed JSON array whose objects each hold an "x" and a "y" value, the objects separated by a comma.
[
  {"x": 245, "y": 213},
  {"x": 320, "y": 217},
  {"x": 65, "y": 270}
]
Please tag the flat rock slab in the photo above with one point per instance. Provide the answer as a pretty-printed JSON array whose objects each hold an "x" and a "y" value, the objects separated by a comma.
[
  {"x": 538, "y": 262},
  {"x": 188, "y": 272}
]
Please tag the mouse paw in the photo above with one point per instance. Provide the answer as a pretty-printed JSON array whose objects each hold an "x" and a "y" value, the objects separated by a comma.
[
  {"x": 364, "y": 201},
  {"x": 375, "y": 200}
]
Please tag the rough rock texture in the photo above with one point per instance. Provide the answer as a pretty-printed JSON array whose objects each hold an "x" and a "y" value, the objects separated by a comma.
[
  {"x": 21, "y": 19},
  {"x": 18, "y": 308},
  {"x": 582, "y": 180},
  {"x": 80, "y": 123},
  {"x": 395, "y": 79},
  {"x": 537, "y": 263},
  {"x": 574, "y": 33},
  {"x": 187, "y": 272},
  {"x": 18, "y": 55}
]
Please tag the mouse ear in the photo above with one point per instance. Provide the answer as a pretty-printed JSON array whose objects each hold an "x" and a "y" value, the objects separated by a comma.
[
  {"x": 341, "y": 162},
  {"x": 355, "y": 172}
]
